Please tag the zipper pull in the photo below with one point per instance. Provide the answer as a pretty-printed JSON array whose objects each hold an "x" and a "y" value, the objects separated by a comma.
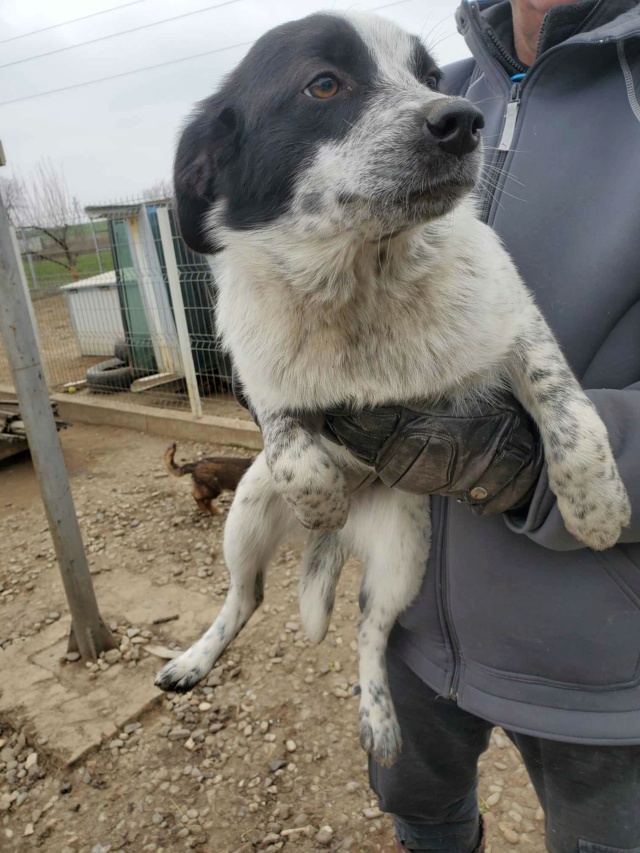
[{"x": 510, "y": 119}]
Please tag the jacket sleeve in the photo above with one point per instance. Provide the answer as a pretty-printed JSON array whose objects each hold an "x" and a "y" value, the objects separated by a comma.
[{"x": 542, "y": 522}]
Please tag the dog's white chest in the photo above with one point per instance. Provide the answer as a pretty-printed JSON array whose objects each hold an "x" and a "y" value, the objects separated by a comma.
[{"x": 391, "y": 341}]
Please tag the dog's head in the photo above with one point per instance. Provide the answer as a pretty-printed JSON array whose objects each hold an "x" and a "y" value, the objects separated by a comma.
[{"x": 329, "y": 123}]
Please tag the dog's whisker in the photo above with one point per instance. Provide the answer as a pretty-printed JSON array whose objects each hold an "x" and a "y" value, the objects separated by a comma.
[
  {"x": 485, "y": 100},
  {"x": 441, "y": 40},
  {"x": 496, "y": 148},
  {"x": 499, "y": 172},
  {"x": 489, "y": 186},
  {"x": 435, "y": 27}
]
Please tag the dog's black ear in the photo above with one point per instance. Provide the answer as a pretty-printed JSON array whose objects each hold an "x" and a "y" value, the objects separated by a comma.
[{"x": 196, "y": 165}]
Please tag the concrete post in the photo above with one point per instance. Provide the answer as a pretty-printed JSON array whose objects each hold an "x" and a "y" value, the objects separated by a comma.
[
  {"x": 25, "y": 285},
  {"x": 90, "y": 635}
]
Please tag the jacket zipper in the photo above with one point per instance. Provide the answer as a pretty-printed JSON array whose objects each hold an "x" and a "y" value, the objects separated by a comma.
[
  {"x": 504, "y": 146},
  {"x": 444, "y": 591},
  {"x": 511, "y": 117},
  {"x": 509, "y": 60},
  {"x": 513, "y": 108}
]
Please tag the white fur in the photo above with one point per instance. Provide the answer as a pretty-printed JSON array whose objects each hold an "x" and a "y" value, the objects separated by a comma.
[{"x": 432, "y": 326}]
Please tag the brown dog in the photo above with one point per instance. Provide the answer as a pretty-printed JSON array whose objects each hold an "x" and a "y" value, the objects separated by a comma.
[{"x": 211, "y": 476}]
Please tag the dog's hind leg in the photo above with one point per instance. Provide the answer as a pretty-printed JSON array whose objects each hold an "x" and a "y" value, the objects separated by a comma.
[
  {"x": 257, "y": 521},
  {"x": 393, "y": 531},
  {"x": 322, "y": 564},
  {"x": 204, "y": 494},
  {"x": 204, "y": 505}
]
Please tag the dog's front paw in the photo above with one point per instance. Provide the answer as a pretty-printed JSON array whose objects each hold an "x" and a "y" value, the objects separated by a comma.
[
  {"x": 181, "y": 674},
  {"x": 380, "y": 733},
  {"x": 320, "y": 510},
  {"x": 379, "y": 729},
  {"x": 318, "y": 496},
  {"x": 595, "y": 511}
]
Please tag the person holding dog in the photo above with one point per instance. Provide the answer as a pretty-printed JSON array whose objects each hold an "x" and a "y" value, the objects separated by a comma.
[{"x": 517, "y": 623}]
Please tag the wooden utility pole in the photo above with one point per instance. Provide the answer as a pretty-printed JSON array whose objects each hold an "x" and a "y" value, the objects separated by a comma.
[{"x": 89, "y": 634}]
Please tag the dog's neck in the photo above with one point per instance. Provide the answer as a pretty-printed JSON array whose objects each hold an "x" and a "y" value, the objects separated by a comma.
[{"x": 332, "y": 272}]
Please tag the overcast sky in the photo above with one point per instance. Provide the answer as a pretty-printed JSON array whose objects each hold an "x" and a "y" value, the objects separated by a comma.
[{"x": 115, "y": 138}]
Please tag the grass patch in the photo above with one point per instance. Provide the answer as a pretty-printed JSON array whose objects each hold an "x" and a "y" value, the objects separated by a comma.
[{"x": 49, "y": 274}]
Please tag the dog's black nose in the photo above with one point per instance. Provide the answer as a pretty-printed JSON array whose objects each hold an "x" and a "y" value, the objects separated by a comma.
[{"x": 455, "y": 124}]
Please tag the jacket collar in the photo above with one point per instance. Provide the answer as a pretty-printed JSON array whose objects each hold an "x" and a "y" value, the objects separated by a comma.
[{"x": 590, "y": 20}]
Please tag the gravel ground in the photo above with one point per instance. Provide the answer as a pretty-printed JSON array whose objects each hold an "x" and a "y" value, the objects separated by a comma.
[{"x": 263, "y": 756}]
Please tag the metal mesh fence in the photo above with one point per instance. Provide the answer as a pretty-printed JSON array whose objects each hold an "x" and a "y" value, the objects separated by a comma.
[
  {"x": 60, "y": 256},
  {"x": 136, "y": 321}
]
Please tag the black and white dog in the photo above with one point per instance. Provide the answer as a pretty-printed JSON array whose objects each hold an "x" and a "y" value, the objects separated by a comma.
[{"x": 330, "y": 178}]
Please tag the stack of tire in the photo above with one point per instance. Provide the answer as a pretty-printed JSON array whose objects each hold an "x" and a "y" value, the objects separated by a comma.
[{"x": 113, "y": 375}]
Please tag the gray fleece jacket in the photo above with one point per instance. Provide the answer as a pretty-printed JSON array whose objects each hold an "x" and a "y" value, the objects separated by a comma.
[{"x": 516, "y": 620}]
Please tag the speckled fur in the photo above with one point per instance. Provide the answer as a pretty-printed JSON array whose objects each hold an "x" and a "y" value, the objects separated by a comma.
[{"x": 358, "y": 295}]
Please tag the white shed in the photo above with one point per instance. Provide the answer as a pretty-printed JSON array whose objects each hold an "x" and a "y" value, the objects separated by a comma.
[{"x": 96, "y": 316}]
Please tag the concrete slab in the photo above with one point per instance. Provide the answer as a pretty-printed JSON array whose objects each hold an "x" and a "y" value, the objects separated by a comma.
[
  {"x": 47, "y": 697},
  {"x": 178, "y": 426}
]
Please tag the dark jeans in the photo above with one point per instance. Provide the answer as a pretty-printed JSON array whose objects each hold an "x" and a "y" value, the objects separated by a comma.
[{"x": 590, "y": 794}]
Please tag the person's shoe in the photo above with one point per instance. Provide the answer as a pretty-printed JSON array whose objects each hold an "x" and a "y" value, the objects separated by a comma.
[{"x": 479, "y": 849}]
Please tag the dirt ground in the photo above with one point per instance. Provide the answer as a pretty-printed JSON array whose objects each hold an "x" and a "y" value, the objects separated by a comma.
[
  {"x": 59, "y": 347},
  {"x": 263, "y": 756}
]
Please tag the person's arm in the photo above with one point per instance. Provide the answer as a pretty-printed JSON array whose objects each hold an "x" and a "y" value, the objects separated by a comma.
[
  {"x": 542, "y": 522},
  {"x": 491, "y": 459}
]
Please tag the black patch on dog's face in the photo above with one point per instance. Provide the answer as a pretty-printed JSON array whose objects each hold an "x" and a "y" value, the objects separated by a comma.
[
  {"x": 248, "y": 144},
  {"x": 423, "y": 66}
]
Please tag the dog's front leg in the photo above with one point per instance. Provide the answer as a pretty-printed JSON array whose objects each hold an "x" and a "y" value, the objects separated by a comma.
[
  {"x": 305, "y": 475},
  {"x": 583, "y": 473}
]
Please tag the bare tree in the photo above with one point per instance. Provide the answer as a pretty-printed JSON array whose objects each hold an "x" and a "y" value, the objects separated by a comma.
[
  {"x": 44, "y": 207},
  {"x": 159, "y": 190},
  {"x": 12, "y": 195}
]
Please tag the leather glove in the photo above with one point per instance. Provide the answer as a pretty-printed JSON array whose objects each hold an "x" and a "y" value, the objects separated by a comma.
[{"x": 489, "y": 458}]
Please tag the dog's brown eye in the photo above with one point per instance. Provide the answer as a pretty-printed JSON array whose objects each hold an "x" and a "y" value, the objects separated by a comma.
[{"x": 323, "y": 87}]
